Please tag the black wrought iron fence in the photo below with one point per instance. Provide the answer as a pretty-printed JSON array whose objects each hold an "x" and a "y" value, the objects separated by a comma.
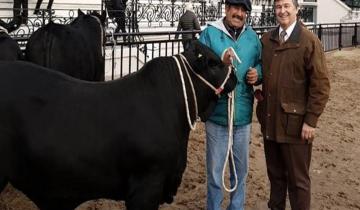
[
  {"x": 124, "y": 57},
  {"x": 33, "y": 22},
  {"x": 142, "y": 14},
  {"x": 127, "y": 52}
]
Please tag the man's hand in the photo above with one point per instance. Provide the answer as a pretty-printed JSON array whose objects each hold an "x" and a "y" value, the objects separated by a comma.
[
  {"x": 307, "y": 132},
  {"x": 251, "y": 76},
  {"x": 228, "y": 57}
]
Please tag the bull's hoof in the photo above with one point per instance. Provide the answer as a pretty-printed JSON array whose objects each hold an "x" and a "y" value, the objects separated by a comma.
[{"x": 169, "y": 199}]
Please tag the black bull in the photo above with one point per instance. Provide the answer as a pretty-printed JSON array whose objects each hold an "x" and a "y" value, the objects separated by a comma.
[
  {"x": 9, "y": 49},
  {"x": 64, "y": 141},
  {"x": 74, "y": 49}
]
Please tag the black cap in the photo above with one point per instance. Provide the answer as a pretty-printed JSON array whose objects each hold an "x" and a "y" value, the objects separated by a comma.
[{"x": 245, "y": 3}]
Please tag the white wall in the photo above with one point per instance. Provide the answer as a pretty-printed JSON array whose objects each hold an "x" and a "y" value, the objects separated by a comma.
[
  {"x": 7, "y": 5},
  {"x": 331, "y": 11}
]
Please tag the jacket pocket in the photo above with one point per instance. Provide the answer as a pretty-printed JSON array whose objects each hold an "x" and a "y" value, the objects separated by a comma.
[{"x": 293, "y": 118}]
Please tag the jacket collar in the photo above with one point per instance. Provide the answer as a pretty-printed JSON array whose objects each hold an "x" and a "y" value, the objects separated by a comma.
[
  {"x": 294, "y": 36},
  {"x": 219, "y": 24}
]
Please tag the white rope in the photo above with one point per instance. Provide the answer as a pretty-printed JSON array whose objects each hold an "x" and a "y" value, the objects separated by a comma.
[
  {"x": 217, "y": 90},
  {"x": 192, "y": 126},
  {"x": 229, "y": 153},
  {"x": 231, "y": 112},
  {"x": 191, "y": 84}
]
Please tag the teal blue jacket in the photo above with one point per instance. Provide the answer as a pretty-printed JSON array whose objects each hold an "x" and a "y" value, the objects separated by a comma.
[{"x": 248, "y": 49}]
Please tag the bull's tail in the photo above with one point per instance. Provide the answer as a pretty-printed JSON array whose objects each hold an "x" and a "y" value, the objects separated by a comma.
[
  {"x": 39, "y": 47},
  {"x": 48, "y": 44}
]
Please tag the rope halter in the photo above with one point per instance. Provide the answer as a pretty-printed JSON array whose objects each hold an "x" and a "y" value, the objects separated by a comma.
[
  {"x": 187, "y": 66},
  {"x": 216, "y": 90},
  {"x": 231, "y": 111},
  {"x": 229, "y": 152}
]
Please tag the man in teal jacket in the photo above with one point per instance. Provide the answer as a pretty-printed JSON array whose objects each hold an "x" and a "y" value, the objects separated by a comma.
[{"x": 237, "y": 44}]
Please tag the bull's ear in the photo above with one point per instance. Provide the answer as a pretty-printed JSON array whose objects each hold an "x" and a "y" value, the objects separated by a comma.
[
  {"x": 103, "y": 16},
  {"x": 80, "y": 13},
  {"x": 201, "y": 57}
]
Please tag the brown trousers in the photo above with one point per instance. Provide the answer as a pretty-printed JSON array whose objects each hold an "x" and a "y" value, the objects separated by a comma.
[{"x": 288, "y": 171}]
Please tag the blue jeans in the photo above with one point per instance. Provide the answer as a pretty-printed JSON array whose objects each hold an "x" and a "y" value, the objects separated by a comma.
[{"x": 216, "y": 149}]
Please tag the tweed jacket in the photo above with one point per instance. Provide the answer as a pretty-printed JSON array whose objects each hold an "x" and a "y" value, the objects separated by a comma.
[{"x": 295, "y": 84}]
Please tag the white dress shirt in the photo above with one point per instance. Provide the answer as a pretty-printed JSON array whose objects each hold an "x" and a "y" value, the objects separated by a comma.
[{"x": 289, "y": 30}]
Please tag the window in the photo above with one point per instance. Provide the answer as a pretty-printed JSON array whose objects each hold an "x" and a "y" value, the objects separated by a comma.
[{"x": 308, "y": 14}]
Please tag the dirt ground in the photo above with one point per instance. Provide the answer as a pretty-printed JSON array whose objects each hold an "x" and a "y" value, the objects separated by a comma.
[{"x": 335, "y": 168}]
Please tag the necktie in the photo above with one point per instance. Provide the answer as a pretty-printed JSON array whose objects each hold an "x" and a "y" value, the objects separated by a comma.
[{"x": 282, "y": 37}]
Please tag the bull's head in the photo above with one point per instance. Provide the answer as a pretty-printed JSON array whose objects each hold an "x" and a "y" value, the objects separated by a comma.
[
  {"x": 92, "y": 23},
  {"x": 209, "y": 66}
]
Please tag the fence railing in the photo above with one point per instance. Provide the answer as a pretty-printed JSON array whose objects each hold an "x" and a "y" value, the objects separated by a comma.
[
  {"x": 142, "y": 14},
  {"x": 139, "y": 14},
  {"x": 127, "y": 52},
  {"x": 123, "y": 57}
]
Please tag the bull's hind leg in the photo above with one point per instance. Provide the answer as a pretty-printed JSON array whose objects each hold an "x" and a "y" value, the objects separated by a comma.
[
  {"x": 3, "y": 183},
  {"x": 56, "y": 204},
  {"x": 145, "y": 191},
  {"x": 5, "y": 159}
]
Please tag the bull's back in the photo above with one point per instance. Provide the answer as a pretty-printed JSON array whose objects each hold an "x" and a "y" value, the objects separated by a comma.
[
  {"x": 38, "y": 110},
  {"x": 23, "y": 84},
  {"x": 91, "y": 136},
  {"x": 10, "y": 50},
  {"x": 18, "y": 82},
  {"x": 33, "y": 98},
  {"x": 62, "y": 48}
]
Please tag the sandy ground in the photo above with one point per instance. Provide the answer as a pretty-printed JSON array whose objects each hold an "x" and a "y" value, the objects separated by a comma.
[{"x": 335, "y": 168}]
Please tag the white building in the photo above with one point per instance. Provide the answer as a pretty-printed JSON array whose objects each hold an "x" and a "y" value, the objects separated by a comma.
[
  {"x": 317, "y": 11},
  {"x": 328, "y": 11}
]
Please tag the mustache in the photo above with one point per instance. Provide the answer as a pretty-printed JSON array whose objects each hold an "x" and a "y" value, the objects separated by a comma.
[{"x": 238, "y": 17}]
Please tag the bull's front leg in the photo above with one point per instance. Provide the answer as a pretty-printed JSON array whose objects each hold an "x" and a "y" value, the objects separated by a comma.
[{"x": 145, "y": 191}]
